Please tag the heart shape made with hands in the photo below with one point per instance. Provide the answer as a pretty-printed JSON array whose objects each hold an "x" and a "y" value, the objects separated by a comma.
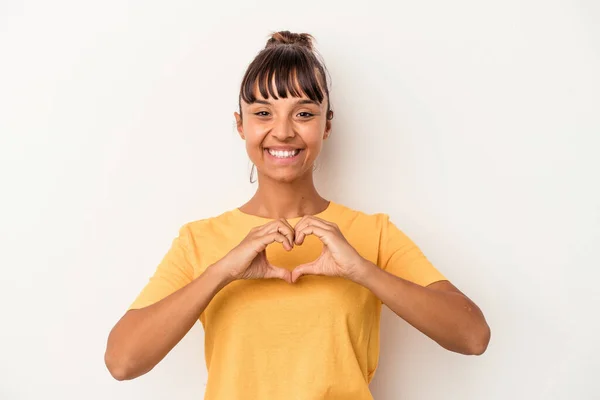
[{"x": 338, "y": 258}]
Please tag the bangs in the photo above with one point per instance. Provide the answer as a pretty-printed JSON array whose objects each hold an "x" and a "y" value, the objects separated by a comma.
[{"x": 279, "y": 71}]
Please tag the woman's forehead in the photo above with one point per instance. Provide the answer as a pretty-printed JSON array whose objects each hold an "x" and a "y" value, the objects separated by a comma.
[{"x": 298, "y": 97}]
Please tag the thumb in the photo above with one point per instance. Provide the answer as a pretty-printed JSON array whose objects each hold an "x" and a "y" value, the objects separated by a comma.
[
  {"x": 278, "y": 273},
  {"x": 303, "y": 269}
]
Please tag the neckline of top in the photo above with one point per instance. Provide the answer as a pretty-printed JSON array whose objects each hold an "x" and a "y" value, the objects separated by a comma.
[{"x": 321, "y": 214}]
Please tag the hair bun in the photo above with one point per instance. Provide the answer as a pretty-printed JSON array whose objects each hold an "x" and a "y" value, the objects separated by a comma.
[{"x": 289, "y": 38}]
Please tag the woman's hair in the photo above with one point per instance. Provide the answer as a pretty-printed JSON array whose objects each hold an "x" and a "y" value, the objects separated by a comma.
[{"x": 294, "y": 64}]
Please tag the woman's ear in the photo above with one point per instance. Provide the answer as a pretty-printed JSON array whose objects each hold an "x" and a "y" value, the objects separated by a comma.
[
  {"x": 239, "y": 125},
  {"x": 328, "y": 124},
  {"x": 327, "y": 129}
]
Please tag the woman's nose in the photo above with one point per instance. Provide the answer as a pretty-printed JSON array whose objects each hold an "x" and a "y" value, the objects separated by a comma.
[{"x": 283, "y": 129}]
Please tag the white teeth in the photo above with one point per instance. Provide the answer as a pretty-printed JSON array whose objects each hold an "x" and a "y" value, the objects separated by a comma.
[{"x": 283, "y": 153}]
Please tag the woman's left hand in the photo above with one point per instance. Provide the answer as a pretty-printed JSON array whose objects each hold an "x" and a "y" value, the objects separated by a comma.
[{"x": 338, "y": 257}]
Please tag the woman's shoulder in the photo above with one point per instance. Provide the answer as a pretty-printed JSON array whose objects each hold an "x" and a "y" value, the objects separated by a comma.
[
  {"x": 209, "y": 223},
  {"x": 345, "y": 213}
]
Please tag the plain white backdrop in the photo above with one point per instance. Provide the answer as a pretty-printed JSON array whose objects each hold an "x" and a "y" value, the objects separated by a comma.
[{"x": 475, "y": 125}]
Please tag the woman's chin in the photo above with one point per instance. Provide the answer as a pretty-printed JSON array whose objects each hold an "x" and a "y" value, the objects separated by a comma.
[{"x": 286, "y": 175}]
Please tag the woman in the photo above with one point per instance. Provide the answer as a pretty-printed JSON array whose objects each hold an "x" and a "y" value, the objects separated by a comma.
[{"x": 289, "y": 286}]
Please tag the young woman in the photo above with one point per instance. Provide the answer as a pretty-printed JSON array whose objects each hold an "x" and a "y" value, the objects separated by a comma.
[{"x": 289, "y": 286}]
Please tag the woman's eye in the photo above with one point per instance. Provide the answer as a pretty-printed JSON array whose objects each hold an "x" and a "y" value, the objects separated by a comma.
[{"x": 303, "y": 114}]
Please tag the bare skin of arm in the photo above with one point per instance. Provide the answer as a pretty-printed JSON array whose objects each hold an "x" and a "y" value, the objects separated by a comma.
[
  {"x": 439, "y": 310},
  {"x": 143, "y": 337}
]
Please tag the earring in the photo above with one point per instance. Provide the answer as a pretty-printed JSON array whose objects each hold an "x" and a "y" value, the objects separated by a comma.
[{"x": 252, "y": 173}]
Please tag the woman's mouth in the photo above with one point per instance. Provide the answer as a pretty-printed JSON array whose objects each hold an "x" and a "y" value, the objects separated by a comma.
[
  {"x": 284, "y": 153},
  {"x": 283, "y": 156}
]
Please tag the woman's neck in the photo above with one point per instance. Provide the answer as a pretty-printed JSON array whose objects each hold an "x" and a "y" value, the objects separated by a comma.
[{"x": 275, "y": 199}]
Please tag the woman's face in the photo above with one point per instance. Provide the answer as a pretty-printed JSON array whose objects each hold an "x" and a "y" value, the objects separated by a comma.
[{"x": 284, "y": 136}]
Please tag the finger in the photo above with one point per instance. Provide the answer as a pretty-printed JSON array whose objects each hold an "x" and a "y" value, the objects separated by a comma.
[
  {"x": 311, "y": 220},
  {"x": 285, "y": 228},
  {"x": 304, "y": 269},
  {"x": 308, "y": 219},
  {"x": 283, "y": 239},
  {"x": 321, "y": 233},
  {"x": 269, "y": 238},
  {"x": 278, "y": 273},
  {"x": 281, "y": 226},
  {"x": 299, "y": 238},
  {"x": 297, "y": 229}
]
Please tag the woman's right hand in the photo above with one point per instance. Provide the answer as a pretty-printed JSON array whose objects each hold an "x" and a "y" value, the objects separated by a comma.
[{"x": 248, "y": 260}]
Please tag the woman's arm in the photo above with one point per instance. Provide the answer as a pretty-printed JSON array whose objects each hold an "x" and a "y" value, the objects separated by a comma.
[
  {"x": 439, "y": 310},
  {"x": 143, "y": 337}
]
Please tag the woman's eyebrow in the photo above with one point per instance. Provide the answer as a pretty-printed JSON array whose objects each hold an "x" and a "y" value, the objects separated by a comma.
[
  {"x": 307, "y": 102},
  {"x": 301, "y": 101}
]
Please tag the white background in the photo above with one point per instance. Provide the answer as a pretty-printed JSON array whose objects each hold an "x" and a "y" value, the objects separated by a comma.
[{"x": 475, "y": 125}]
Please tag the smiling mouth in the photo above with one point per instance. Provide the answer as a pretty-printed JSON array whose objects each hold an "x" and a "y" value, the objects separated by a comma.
[{"x": 283, "y": 153}]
